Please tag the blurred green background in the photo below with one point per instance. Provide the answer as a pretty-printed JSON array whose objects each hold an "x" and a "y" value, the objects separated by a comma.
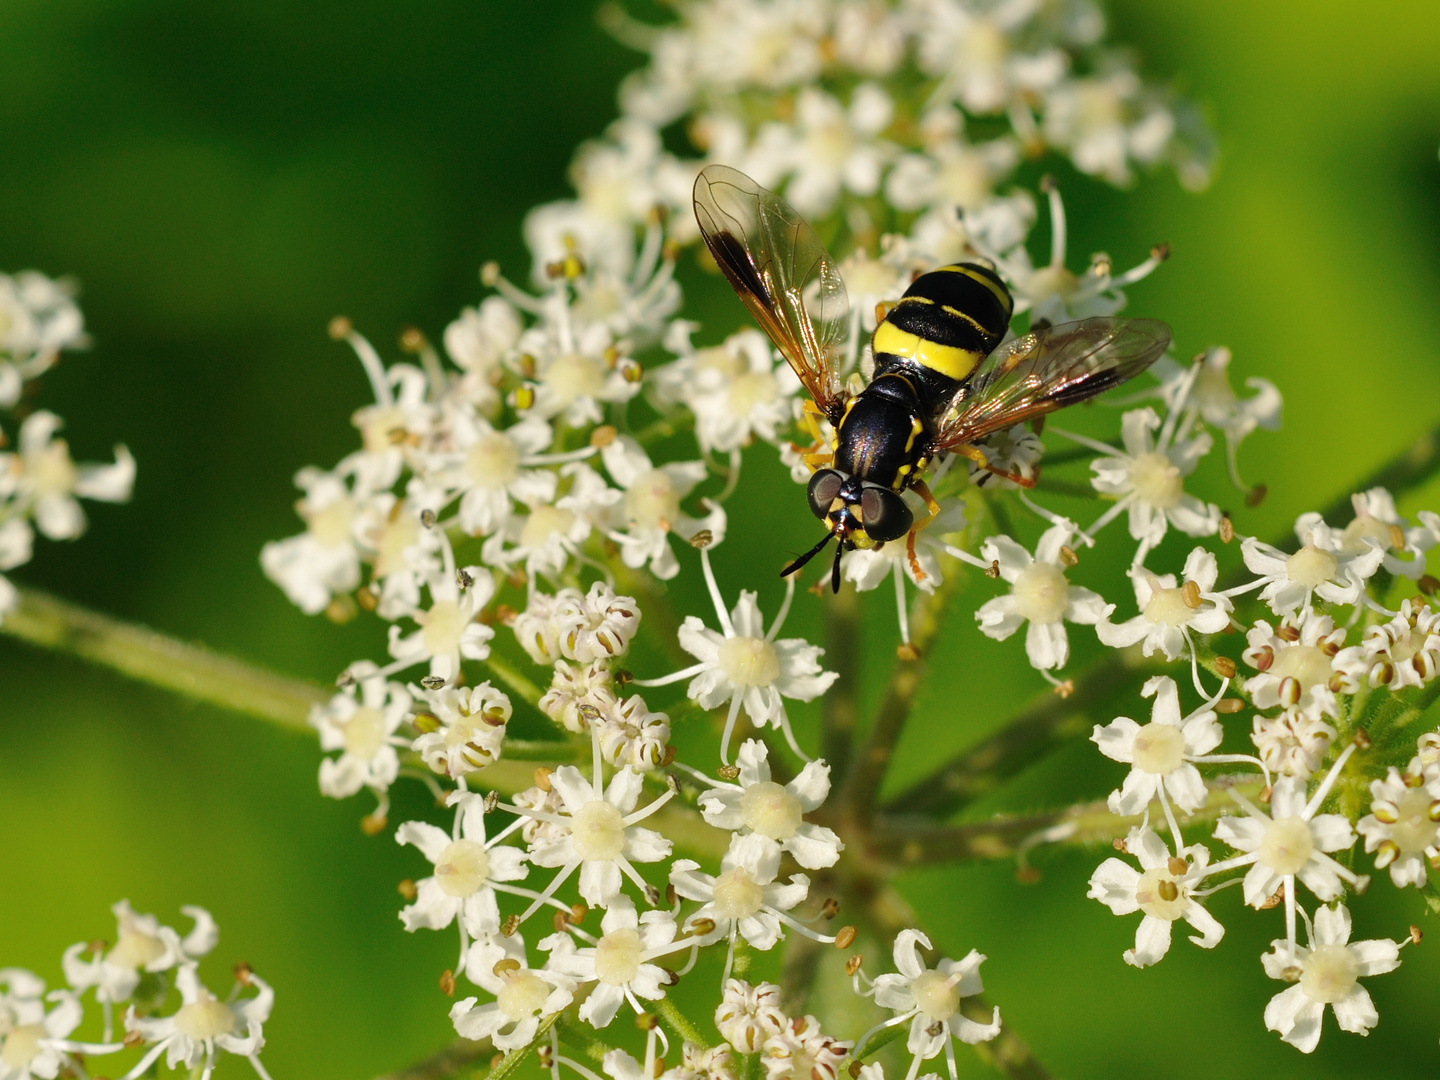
[{"x": 225, "y": 177}]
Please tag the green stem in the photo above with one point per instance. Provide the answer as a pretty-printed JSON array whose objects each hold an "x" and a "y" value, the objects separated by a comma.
[
  {"x": 842, "y": 655},
  {"x": 515, "y": 1058},
  {"x": 140, "y": 653},
  {"x": 446, "y": 1062},
  {"x": 679, "y": 1022}
]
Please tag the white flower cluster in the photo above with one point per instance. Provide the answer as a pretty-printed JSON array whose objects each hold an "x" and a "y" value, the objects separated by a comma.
[
  {"x": 144, "y": 970},
  {"x": 1309, "y": 687},
  {"x": 39, "y": 483}
]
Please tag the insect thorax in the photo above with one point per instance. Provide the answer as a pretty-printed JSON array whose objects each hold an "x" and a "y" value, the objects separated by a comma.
[{"x": 882, "y": 434}]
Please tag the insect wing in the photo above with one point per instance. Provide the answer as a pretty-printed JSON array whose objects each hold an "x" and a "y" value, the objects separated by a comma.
[
  {"x": 780, "y": 269},
  {"x": 1046, "y": 370}
]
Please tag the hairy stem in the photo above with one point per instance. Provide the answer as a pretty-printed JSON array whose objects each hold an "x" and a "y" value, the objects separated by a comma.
[
  {"x": 679, "y": 1023},
  {"x": 446, "y": 1062},
  {"x": 868, "y": 769},
  {"x": 141, "y": 653},
  {"x": 842, "y": 654},
  {"x": 515, "y": 1058}
]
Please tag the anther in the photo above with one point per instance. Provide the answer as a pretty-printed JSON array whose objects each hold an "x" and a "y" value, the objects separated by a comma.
[
  {"x": 1068, "y": 556},
  {"x": 830, "y": 909},
  {"x": 489, "y": 274},
  {"x": 1275, "y": 899},
  {"x": 345, "y": 679},
  {"x": 854, "y": 1070},
  {"x": 907, "y": 651},
  {"x": 407, "y": 889},
  {"x": 1433, "y": 811},
  {"x": 1428, "y": 585},
  {"x": 672, "y": 977},
  {"x": 492, "y": 801},
  {"x": 1387, "y": 853},
  {"x": 1288, "y": 632},
  {"x": 508, "y": 928},
  {"x": 340, "y": 328},
  {"x": 561, "y": 922},
  {"x": 702, "y": 539},
  {"x": 624, "y": 676},
  {"x": 1256, "y": 495},
  {"x": 425, "y": 722},
  {"x": 1168, "y": 890},
  {"x": 243, "y": 972},
  {"x": 1397, "y": 537},
  {"x": 652, "y": 896},
  {"x": 1264, "y": 657},
  {"x": 1224, "y": 667},
  {"x": 432, "y": 682},
  {"x": 545, "y": 1056},
  {"x": 366, "y": 600},
  {"x": 412, "y": 340},
  {"x": 1227, "y": 530},
  {"x": 671, "y": 784},
  {"x": 701, "y": 927},
  {"x": 603, "y": 435},
  {"x": 1361, "y": 738},
  {"x": 1226, "y": 706},
  {"x": 427, "y": 518},
  {"x": 647, "y": 1021},
  {"x": 506, "y": 615},
  {"x": 993, "y": 570},
  {"x": 728, "y": 772},
  {"x": 846, "y": 937},
  {"x": 1119, "y": 845},
  {"x": 578, "y": 912},
  {"x": 1190, "y": 593},
  {"x": 464, "y": 579},
  {"x": 341, "y": 609},
  {"x": 133, "y": 1038},
  {"x": 1265, "y": 794},
  {"x": 1177, "y": 866},
  {"x": 1361, "y": 884},
  {"x": 373, "y": 824},
  {"x": 1047, "y": 184},
  {"x": 524, "y": 398},
  {"x": 542, "y": 778},
  {"x": 1415, "y": 934},
  {"x": 1381, "y": 673},
  {"x": 447, "y": 983},
  {"x": 671, "y": 895},
  {"x": 1160, "y": 252},
  {"x": 1385, "y": 812}
]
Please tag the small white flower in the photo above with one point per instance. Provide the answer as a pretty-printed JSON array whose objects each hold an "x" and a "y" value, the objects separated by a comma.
[
  {"x": 1325, "y": 974},
  {"x": 1169, "y": 611},
  {"x": 1402, "y": 652},
  {"x": 141, "y": 944},
  {"x": 41, "y": 480},
  {"x": 1105, "y": 123},
  {"x": 491, "y": 467},
  {"x": 523, "y": 995},
  {"x": 403, "y": 553},
  {"x": 801, "y": 1051},
  {"x": 932, "y": 997},
  {"x": 1039, "y": 595},
  {"x": 1325, "y": 566},
  {"x": 748, "y": 1015},
  {"x": 363, "y": 730},
  {"x": 1051, "y": 292},
  {"x": 834, "y": 146},
  {"x": 867, "y": 569},
  {"x": 650, "y": 509},
  {"x": 1289, "y": 843},
  {"x": 467, "y": 869},
  {"x": 1377, "y": 524},
  {"x": 1163, "y": 888},
  {"x": 1293, "y": 743},
  {"x": 203, "y": 1025},
  {"x": 953, "y": 171},
  {"x": 619, "y": 961},
  {"x": 584, "y": 627},
  {"x": 1148, "y": 479},
  {"x": 578, "y": 692},
  {"x": 1206, "y": 393},
  {"x": 36, "y": 1044},
  {"x": 1160, "y": 753},
  {"x": 744, "y": 900},
  {"x": 323, "y": 560},
  {"x": 630, "y": 734},
  {"x": 464, "y": 729},
  {"x": 756, "y": 804},
  {"x": 481, "y": 338},
  {"x": 738, "y": 390},
  {"x": 551, "y": 533},
  {"x": 1402, "y": 823},
  {"x": 38, "y": 318},
  {"x": 1296, "y": 664},
  {"x": 448, "y": 628},
  {"x": 977, "y": 52},
  {"x": 598, "y": 833},
  {"x": 745, "y": 665}
]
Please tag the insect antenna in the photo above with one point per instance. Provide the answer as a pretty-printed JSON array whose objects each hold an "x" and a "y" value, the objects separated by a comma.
[
  {"x": 835, "y": 570},
  {"x": 803, "y": 559}
]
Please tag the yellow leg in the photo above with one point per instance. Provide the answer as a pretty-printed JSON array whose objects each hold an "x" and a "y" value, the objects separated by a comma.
[
  {"x": 922, "y": 489},
  {"x": 975, "y": 454},
  {"x": 818, "y": 456}
]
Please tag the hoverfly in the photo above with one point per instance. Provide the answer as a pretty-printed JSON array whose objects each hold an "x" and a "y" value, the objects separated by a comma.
[{"x": 941, "y": 384}]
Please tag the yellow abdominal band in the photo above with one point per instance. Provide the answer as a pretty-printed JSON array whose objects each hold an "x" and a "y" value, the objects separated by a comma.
[{"x": 946, "y": 359}]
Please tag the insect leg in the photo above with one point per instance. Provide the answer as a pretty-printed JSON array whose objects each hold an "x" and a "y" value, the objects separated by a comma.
[
  {"x": 975, "y": 454},
  {"x": 923, "y": 490}
]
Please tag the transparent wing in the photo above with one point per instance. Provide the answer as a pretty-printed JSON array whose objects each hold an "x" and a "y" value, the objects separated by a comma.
[
  {"x": 1047, "y": 370},
  {"x": 779, "y": 267}
]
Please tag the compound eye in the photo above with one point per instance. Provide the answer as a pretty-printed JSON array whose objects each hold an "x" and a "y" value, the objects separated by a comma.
[
  {"x": 885, "y": 514},
  {"x": 824, "y": 486}
]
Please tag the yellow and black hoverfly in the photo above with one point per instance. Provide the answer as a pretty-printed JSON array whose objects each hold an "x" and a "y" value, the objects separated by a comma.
[{"x": 940, "y": 383}]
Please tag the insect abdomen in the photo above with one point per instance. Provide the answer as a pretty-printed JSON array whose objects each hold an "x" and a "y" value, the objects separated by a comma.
[{"x": 948, "y": 321}]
